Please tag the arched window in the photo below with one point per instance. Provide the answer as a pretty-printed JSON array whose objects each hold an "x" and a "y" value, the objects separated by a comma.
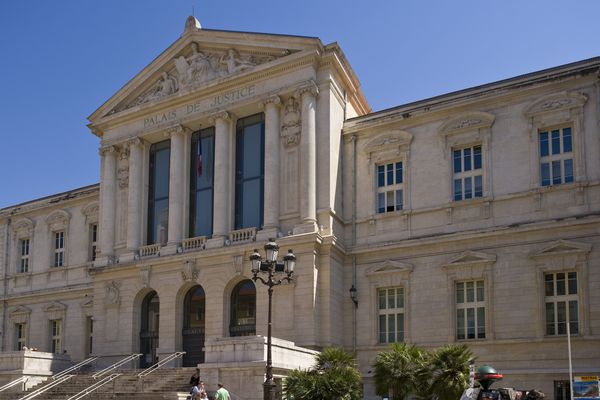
[
  {"x": 193, "y": 326},
  {"x": 149, "y": 329},
  {"x": 243, "y": 309}
]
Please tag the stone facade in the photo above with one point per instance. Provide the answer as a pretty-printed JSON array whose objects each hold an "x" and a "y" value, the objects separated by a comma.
[{"x": 328, "y": 196}]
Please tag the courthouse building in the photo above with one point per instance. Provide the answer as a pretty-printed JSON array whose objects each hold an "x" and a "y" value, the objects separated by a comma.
[{"x": 471, "y": 217}]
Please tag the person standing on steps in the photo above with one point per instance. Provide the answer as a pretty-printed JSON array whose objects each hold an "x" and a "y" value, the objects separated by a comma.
[{"x": 222, "y": 393}]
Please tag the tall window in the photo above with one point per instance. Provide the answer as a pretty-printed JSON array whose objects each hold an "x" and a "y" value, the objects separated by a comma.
[
  {"x": 93, "y": 241},
  {"x": 59, "y": 248},
  {"x": 561, "y": 302},
  {"x": 89, "y": 348},
  {"x": 391, "y": 315},
  {"x": 389, "y": 187},
  {"x": 20, "y": 336},
  {"x": 24, "y": 260},
  {"x": 556, "y": 156},
  {"x": 470, "y": 310},
  {"x": 468, "y": 179},
  {"x": 56, "y": 336},
  {"x": 249, "y": 172},
  {"x": 201, "y": 182},
  {"x": 158, "y": 192},
  {"x": 243, "y": 309}
]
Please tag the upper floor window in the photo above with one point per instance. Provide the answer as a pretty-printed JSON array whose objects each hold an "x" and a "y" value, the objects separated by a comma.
[
  {"x": 59, "y": 248},
  {"x": 249, "y": 172},
  {"x": 470, "y": 310},
  {"x": 24, "y": 258},
  {"x": 202, "y": 183},
  {"x": 56, "y": 336},
  {"x": 468, "y": 176},
  {"x": 389, "y": 187},
  {"x": 93, "y": 241},
  {"x": 556, "y": 156},
  {"x": 158, "y": 192},
  {"x": 391, "y": 315},
  {"x": 562, "y": 299},
  {"x": 20, "y": 336}
]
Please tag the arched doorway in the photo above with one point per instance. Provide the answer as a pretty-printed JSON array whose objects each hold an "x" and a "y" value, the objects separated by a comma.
[
  {"x": 193, "y": 326},
  {"x": 243, "y": 309},
  {"x": 149, "y": 329}
]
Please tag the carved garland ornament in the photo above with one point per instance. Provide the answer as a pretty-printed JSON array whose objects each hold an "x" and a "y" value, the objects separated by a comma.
[{"x": 291, "y": 126}]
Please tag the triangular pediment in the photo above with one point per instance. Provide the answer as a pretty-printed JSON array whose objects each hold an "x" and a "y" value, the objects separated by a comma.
[
  {"x": 389, "y": 267},
  {"x": 55, "y": 306},
  {"x": 199, "y": 59},
  {"x": 471, "y": 258},
  {"x": 562, "y": 247},
  {"x": 19, "y": 310}
]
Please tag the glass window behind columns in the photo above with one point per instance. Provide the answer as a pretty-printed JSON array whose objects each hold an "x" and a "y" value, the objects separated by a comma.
[
  {"x": 249, "y": 172},
  {"x": 201, "y": 183},
  {"x": 158, "y": 192}
]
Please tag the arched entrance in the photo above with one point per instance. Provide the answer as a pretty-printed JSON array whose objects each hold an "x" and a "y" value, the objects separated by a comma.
[
  {"x": 243, "y": 309},
  {"x": 193, "y": 326},
  {"x": 149, "y": 329}
]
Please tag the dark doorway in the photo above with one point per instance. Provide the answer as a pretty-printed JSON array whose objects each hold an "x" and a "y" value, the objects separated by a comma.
[
  {"x": 193, "y": 326},
  {"x": 149, "y": 329},
  {"x": 243, "y": 309}
]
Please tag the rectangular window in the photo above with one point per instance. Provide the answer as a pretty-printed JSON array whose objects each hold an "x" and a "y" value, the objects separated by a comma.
[
  {"x": 390, "y": 187},
  {"x": 562, "y": 301},
  {"x": 556, "y": 156},
  {"x": 56, "y": 336},
  {"x": 20, "y": 336},
  {"x": 391, "y": 315},
  {"x": 59, "y": 248},
  {"x": 467, "y": 169},
  {"x": 470, "y": 310},
  {"x": 89, "y": 348},
  {"x": 158, "y": 192},
  {"x": 93, "y": 241},
  {"x": 202, "y": 182},
  {"x": 249, "y": 172},
  {"x": 24, "y": 259}
]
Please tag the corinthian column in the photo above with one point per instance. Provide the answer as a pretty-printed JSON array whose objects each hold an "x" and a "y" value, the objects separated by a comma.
[
  {"x": 134, "y": 201},
  {"x": 271, "y": 192},
  {"x": 308, "y": 177},
  {"x": 108, "y": 202},
  {"x": 176, "y": 174},
  {"x": 223, "y": 167}
]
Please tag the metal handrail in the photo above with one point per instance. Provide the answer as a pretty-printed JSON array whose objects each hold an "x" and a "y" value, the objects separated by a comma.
[
  {"x": 74, "y": 367},
  {"x": 47, "y": 387},
  {"x": 94, "y": 387},
  {"x": 159, "y": 364},
  {"x": 116, "y": 365},
  {"x": 13, "y": 383}
]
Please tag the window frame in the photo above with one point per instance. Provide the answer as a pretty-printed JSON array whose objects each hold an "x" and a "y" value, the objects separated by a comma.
[
  {"x": 193, "y": 191},
  {"x": 389, "y": 311},
  {"x": 21, "y": 333},
  {"x": 56, "y": 335},
  {"x": 59, "y": 249},
  {"x": 151, "y": 198},
  {"x": 551, "y": 159},
  {"x": 465, "y": 305},
  {"x": 469, "y": 174},
  {"x": 388, "y": 188},
  {"x": 24, "y": 259},
  {"x": 555, "y": 299}
]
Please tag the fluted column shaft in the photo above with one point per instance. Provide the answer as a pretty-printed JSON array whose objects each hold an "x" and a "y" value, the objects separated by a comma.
[
  {"x": 222, "y": 170},
  {"x": 271, "y": 205},
  {"x": 134, "y": 201},
  {"x": 176, "y": 174},
  {"x": 308, "y": 177},
  {"x": 108, "y": 201}
]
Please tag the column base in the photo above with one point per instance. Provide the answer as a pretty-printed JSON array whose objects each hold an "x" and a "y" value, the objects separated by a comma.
[
  {"x": 305, "y": 227},
  {"x": 215, "y": 242},
  {"x": 267, "y": 233},
  {"x": 169, "y": 249},
  {"x": 128, "y": 257}
]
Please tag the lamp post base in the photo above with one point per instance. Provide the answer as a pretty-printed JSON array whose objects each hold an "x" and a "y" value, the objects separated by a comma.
[{"x": 270, "y": 389}]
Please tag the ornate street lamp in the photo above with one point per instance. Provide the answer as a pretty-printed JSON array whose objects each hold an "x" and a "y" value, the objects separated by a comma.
[{"x": 273, "y": 271}]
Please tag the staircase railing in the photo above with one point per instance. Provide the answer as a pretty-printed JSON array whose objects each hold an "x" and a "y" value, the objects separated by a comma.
[
  {"x": 94, "y": 387},
  {"x": 74, "y": 367},
  {"x": 22, "y": 379},
  {"x": 116, "y": 365},
  {"x": 159, "y": 364},
  {"x": 47, "y": 387}
]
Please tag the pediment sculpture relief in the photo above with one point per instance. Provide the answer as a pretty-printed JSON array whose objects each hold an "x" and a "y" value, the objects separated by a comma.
[
  {"x": 197, "y": 68},
  {"x": 291, "y": 125}
]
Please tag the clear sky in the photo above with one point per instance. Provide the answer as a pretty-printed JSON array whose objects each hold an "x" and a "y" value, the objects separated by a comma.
[{"x": 61, "y": 59}]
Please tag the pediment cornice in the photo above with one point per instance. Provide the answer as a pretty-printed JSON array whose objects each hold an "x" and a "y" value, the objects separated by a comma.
[
  {"x": 389, "y": 267},
  {"x": 471, "y": 258},
  {"x": 562, "y": 248},
  {"x": 55, "y": 306},
  {"x": 556, "y": 102},
  {"x": 467, "y": 122}
]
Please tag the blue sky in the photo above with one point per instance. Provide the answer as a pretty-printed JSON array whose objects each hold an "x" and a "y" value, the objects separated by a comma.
[{"x": 61, "y": 59}]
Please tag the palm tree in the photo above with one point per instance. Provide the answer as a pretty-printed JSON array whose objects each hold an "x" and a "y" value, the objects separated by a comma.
[
  {"x": 449, "y": 369},
  {"x": 400, "y": 371},
  {"x": 334, "y": 377}
]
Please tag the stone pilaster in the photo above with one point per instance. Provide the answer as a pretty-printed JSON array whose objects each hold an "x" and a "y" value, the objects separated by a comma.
[
  {"x": 223, "y": 167},
  {"x": 271, "y": 193},
  {"x": 134, "y": 200},
  {"x": 108, "y": 204}
]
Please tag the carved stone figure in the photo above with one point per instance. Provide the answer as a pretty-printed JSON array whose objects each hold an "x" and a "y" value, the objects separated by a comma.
[
  {"x": 234, "y": 62},
  {"x": 291, "y": 124},
  {"x": 197, "y": 68},
  {"x": 113, "y": 295},
  {"x": 165, "y": 86}
]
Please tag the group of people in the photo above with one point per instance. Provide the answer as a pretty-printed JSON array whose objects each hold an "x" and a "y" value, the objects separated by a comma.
[{"x": 198, "y": 391}]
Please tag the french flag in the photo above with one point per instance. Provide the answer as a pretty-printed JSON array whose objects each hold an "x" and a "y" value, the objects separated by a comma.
[{"x": 199, "y": 157}]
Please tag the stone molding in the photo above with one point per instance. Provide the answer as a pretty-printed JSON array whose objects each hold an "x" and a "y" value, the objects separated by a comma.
[
  {"x": 471, "y": 258},
  {"x": 189, "y": 272},
  {"x": 91, "y": 212},
  {"x": 55, "y": 310},
  {"x": 58, "y": 220},
  {"x": 222, "y": 115},
  {"x": 19, "y": 315},
  {"x": 388, "y": 145},
  {"x": 556, "y": 102},
  {"x": 291, "y": 124},
  {"x": 23, "y": 228},
  {"x": 274, "y": 99},
  {"x": 562, "y": 248},
  {"x": 176, "y": 129},
  {"x": 308, "y": 88},
  {"x": 107, "y": 150},
  {"x": 113, "y": 293},
  {"x": 471, "y": 121},
  {"x": 389, "y": 267}
]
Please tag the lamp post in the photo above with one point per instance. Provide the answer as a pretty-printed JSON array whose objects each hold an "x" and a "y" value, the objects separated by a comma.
[{"x": 273, "y": 271}]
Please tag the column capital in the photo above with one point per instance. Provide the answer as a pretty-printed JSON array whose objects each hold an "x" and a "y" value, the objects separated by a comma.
[
  {"x": 275, "y": 100},
  {"x": 176, "y": 129},
  {"x": 308, "y": 87},
  {"x": 223, "y": 115},
  {"x": 106, "y": 150},
  {"x": 136, "y": 141}
]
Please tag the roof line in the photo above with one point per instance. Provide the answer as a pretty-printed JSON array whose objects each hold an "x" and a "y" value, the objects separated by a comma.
[
  {"x": 49, "y": 196},
  {"x": 259, "y": 33}
]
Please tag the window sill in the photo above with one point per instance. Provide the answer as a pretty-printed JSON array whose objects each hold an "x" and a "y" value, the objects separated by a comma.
[{"x": 470, "y": 202}]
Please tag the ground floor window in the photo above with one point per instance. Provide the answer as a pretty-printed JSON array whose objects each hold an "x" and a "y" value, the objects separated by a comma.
[
  {"x": 20, "y": 336},
  {"x": 391, "y": 315},
  {"x": 56, "y": 336}
]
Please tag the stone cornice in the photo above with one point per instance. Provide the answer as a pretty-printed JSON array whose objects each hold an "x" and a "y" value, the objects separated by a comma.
[{"x": 50, "y": 202}]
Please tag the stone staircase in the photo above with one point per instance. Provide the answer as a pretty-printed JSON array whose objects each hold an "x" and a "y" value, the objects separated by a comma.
[{"x": 163, "y": 384}]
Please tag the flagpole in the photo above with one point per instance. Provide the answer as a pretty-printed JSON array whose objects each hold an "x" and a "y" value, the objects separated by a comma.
[{"x": 570, "y": 362}]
